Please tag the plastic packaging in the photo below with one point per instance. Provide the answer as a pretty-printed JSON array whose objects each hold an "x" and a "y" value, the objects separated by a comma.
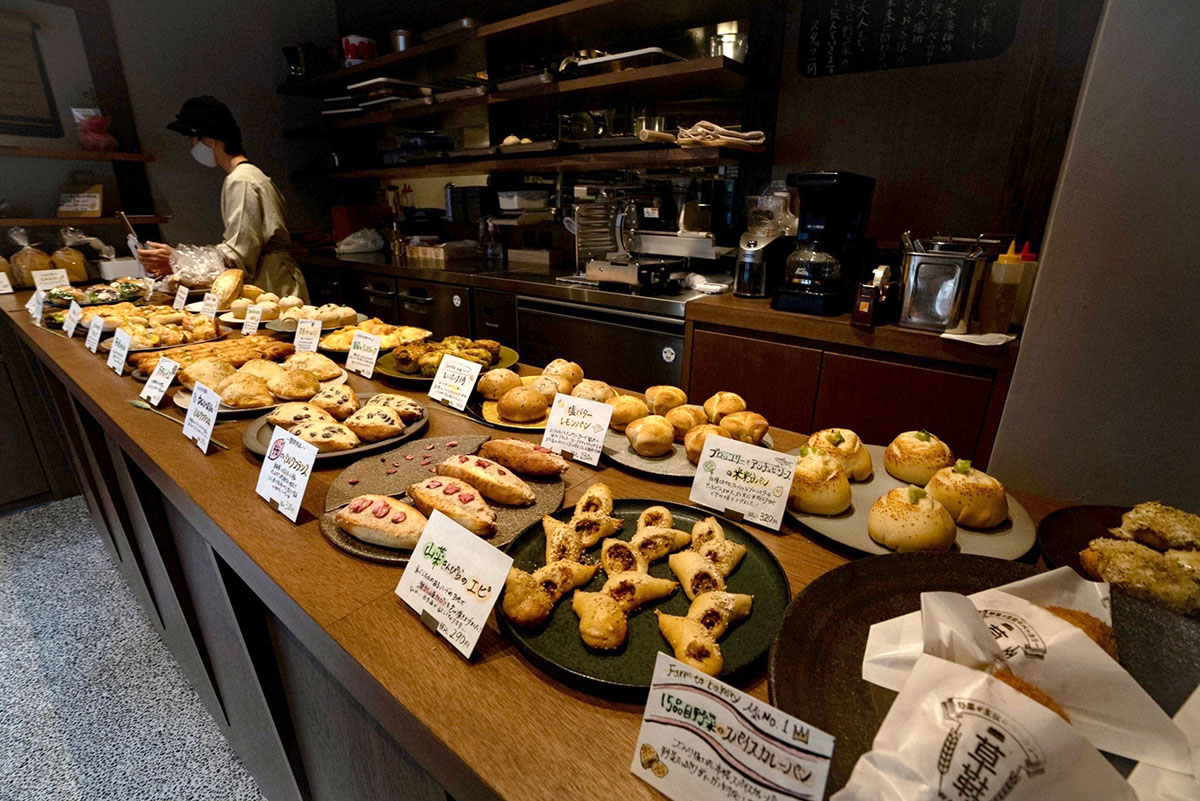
[
  {"x": 73, "y": 238},
  {"x": 26, "y": 260},
  {"x": 195, "y": 266},
  {"x": 366, "y": 240}
]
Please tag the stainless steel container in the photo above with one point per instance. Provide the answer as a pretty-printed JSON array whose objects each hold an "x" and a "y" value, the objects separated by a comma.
[{"x": 941, "y": 276}]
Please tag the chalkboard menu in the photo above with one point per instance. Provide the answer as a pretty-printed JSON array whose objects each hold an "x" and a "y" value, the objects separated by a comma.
[{"x": 840, "y": 36}]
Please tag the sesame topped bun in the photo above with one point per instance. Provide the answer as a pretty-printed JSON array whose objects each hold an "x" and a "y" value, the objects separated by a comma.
[
  {"x": 845, "y": 446},
  {"x": 819, "y": 485},
  {"x": 907, "y": 519},
  {"x": 972, "y": 497},
  {"x": 915, "y": 456}
]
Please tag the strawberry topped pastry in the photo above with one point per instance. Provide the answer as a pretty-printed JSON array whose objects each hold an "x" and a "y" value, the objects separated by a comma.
[
  {"x": 456, "y": 499},
  {"x": 381, "y": 520},
  {"x": 497, "y": 483}
]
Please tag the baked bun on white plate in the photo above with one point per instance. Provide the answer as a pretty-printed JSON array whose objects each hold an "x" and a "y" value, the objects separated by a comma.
[
  {"x": 972, "y": 497},
  {"x": 915, "y": 456},
  {"x": 845, "y": 446},
  {"x": 907, "y": 519},
  {"x": 819, "y": 485}
]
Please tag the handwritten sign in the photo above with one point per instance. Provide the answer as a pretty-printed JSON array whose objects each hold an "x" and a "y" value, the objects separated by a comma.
[
  {"x": 119, "y": 352},
  {"x": 454, "y": 381},
  {"x": 95, "y": 329},
  {"x": 5, "y": 284},
  {"x": 364, "y": 350},
  {"x": 308, "y": 334},
  {"x": 735, "y": 476},
  {"x": 285, "y": 472},
  {"x": 72, "y": 318},
  {"x": 48, "y": 279},
  {"x": 35, "y": 303},
  {"x": 209, "y": 307},
  {"x": 703, "y": 739},
  {"x": 160, "y": 379},
  {"x": 253, "y": 318},
  {"x": 181, "y": 297},
  {"x": 455, "y": 578},
  {"x": 577, "y": 427},
  {"x": 201, "y": 415}
]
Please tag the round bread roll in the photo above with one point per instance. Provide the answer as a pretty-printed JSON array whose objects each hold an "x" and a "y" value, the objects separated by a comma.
[
  {"x": 251, "y": 292},
  {"x": 568, "y": 370},
  {"x": 915, "y": 456},
  {"x": 721, "y": 404},
  {"x": 972, "y": 497},
  {"x": 263, "y": 368},
  {"x": 209, "y": 371},
  {"x": 663, "y": 398},
  {"x": 684, "y": 418},
  {"x": 907, "y": 519},
  {"x": 494, "y": 383},
  {"x": 245, "y": 391},
  {"x": 651, "y": 435},
  {"x": 693, "y": 440},
  {"x": 746, "y": 426},
  {"x": 522, "y": 405},
  {"x": 290, "y": 302},
  {"x": 238, "y": 308},
  {"x": 551, "y": 385},
  {"x": 347, "y": 316},
  {"x": 845, "y": 446},
  {"x": 590, "y": 389},
  {"x": 375, "y": 423},
  {"x": 819, "y": 485},
  {"x": 626, "y": 409},
  {"x": 294, "y": 385},
  {"x": 269, "y": 309},
  {"x": 268, "y": 297}
]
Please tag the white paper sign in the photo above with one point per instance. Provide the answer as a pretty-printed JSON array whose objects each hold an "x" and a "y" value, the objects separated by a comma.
[
  {"x": 181, "y": 297},
  {"x": 72, "y": 318},
  {"x": 119, "y": 352},
  {"x": 735, "y": 476},
  {"x": 35, "y": 303},
  {"x": 454, "y": 381},
  {"x": 160, "y": 379},
  {"x": 285, "y": 472},
  {"x": 453, "y": 580},
  {"x": 253, "y": 317},
  {"x": 95, "y": 329},
  {"x": 308, "y": 334},
  {"x": 209, "y": 307},
  {"x": 364, "y": 350},
  {"x": 577, "y": 427},
  {"x": 48, "y": 279},
  {"x": 5, "y": 284},
  {"x": 201, "y": 415},
  {"x": 703, "y": 739}
]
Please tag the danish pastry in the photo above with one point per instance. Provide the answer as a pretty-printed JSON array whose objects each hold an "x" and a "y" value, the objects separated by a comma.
[
  {"x": 845, "y": 446},
  {"x": 914, "y": 456},
  {"x": 696, "y": 573},
  {"x": 375, "y": 423},
  {"x": 524, "y": 457},
  {"x": 341, "y": 402},
  {"x": 492, "y": 480},
  {"x": 457, "y": 500},
  {"x": 381, "y": 520},
  {"x": 287, "y": 415}
]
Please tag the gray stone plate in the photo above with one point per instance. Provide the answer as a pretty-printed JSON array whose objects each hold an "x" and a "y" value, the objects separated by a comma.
[{"x": 672, "y": 465}]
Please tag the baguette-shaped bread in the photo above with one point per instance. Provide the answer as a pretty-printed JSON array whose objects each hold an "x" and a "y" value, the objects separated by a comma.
[
  {"x": 654, "y": 542},
  {"x": 717, "y": 610},
  {"x": 594, "y": 526},
  {"x": 697, "y": 574},
  {"x": 562, "y": 540},
  {"x": 632, "y": 590}
]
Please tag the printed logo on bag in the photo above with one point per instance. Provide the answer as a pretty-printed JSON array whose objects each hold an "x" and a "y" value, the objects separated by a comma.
[
  {"x": 985, "y": 754},
  {"x": 1014, "y": 634}
]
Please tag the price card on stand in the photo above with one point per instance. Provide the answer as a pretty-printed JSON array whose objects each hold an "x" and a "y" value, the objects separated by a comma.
[
  {"x": 72, "y": 318},
  {"x": 454, "y": 381},
  {"x": 253, "y": 318},
  {"x": 48, "y": 279},
  {"x": 308, "y": 334},
  {"x": 201, "y": 415},
  {"x": 364, "y": 350},
  {"x": 577, "y": 427},
  {"x": 453, "y": 580},
  {"x": 743, "y": 480},
  {"x": 703, "y": 739},
  {"x": 119, "y": 352},
  {"x": 35, "y": 303},
  {"x": 209, "y": 307},
  {"x": 95, "y": 329},
  {"x": 5, "y": 284},
  {"x": 285, "y": 472},
  {"x": 160, "y": 379},
  {"x": 181, "y": 297}
]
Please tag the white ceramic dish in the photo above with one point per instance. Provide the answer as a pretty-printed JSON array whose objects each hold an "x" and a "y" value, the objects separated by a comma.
[{"x": 183, "y": 399}]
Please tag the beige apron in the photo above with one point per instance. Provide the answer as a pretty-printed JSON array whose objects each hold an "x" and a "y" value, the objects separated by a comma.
[{"x": 256, "y": 239}]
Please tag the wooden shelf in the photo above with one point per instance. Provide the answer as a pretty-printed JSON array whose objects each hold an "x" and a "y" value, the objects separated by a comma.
[
  {"x": 82, "y": 222},
  {"x": 659, "y": 158},
  {"x": 602, "y": 20},
  {"x": 70, "y": 155}
]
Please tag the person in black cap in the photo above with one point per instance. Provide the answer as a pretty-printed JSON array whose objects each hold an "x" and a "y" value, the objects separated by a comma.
[{"x": 256, "y": 238}]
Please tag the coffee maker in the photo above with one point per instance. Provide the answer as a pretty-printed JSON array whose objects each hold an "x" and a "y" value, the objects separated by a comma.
[{"x": 831, "y": 255}]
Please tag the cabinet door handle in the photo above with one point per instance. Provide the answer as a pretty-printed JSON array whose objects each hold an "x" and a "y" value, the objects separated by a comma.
[
  {"x": 375, "y": 293},
  {"x": 407, "y": 298}
]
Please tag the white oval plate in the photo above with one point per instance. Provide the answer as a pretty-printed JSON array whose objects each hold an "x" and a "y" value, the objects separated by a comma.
[{"x": 183, "y": 399}]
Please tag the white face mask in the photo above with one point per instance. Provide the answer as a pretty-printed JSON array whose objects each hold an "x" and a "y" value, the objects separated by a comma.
[{"x": 204, "y": 154}]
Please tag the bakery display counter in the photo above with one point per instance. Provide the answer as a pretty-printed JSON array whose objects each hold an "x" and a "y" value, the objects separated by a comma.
[{"x": 324, "y": 682}]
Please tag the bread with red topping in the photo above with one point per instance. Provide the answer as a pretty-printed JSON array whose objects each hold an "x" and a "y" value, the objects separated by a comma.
[
  {"x": 524, "y": 457},
  {"x": 381, "y": 520},
  {"x": 456, "y": 499},
  {"x": 495, "y": 482}
]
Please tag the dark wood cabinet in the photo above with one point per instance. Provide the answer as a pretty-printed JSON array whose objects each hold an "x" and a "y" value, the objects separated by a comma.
[
  {"x": 495, "y": 316},
  {"x": 326, "y": 284},
  {"x": 444, "y": 309},
  {"x": 375, "y": 296}
]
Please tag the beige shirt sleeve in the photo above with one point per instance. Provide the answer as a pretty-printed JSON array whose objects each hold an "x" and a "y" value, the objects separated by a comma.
[{"x": 242, "y": 213}]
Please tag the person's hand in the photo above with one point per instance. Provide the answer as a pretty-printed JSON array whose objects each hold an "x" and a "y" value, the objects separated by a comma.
[{"x": 156, "y": 258}]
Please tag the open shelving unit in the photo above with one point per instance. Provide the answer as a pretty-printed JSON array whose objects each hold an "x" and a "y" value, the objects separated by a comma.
[
  {"x": 71, "y": 155},
  {"x": 713, "y": 76}
]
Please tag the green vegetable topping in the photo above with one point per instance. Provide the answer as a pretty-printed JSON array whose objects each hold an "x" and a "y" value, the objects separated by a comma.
[
  {"x": 962, "y": 466},
  {"x": 805, "y": 450},
  {"x": 924, "y": 435},
  {"x": 915, "y": 494},
  {"x": 835, "y": 438}
]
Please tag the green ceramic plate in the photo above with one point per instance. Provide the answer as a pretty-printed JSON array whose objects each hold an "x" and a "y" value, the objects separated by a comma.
[
  {"x": 386, "y": 365},
  {"x": 557, "y": 648}
]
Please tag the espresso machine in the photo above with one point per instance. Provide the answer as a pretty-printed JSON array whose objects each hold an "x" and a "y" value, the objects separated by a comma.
[{"x": 830, "y": 255}]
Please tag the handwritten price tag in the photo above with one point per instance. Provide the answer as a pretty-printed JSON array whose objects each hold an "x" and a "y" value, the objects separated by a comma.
[
  {"x": 5, "y": 284},
  {"x": 95, "y": 329},
  {"x": 454, "y": 381},
  {"x": 209, "y": 307},
  {"x": 160, "y": 379},
  {"x": 72, "y": 318},
  {"x": 119, "y": 352},
  {"x": 201, "y": 415},
  {"x": 703, "y": 739},
  {"x": 735, "y": 476},
  {"x": 285, "y": 472},
  {"x": 364, "y": 350},
  {"x": 48, "y": 279},
  {"x": 181, "y": 297},
  {"x": 455, "y": 578},
  {"x": 577, "y": 427},
  {"x": 308, "y": 334},
  {"x": 253, "y": 318},
  {"x": 34, "y": 305}
]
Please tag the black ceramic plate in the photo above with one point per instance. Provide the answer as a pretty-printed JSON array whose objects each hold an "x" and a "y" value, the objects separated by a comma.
[
  {"x": 557, "y": 648},
  {"x": 815, "y": 669},
  {"x": 386, "y": 365},
  {"x": 257, "y": 439},
  {"x": 1062, "y": 534}
]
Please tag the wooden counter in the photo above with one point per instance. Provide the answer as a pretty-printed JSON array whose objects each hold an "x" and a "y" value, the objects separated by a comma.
[{"x": 325, "y": 684}]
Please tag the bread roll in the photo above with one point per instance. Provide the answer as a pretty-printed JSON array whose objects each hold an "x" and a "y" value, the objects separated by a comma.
[
  {"x": 227, "y": 286},
  {"x": 245, "y": 391},
  {"x": 907, "y": 519},
  {"x": 239, "y": 307},
  {"x": 650, "y": 436},
  {"x": 522, "y": 405},
  {"x": 294, "y": 385},
  {"x": 746, "y": 426},
  {"x": 269, "y": 310},
  {"x": 590, "y": 389},
  {"x": 721, "y": 404},
  {"x": 290, "y": 302},
  {"x": 626, "y": 409},
  {"x": 915, "y": 456},
  {"x": 323, "y": 367},
  {"x": 819, "y": 485},
  {"x": 494, "y": 383},
  {"x": 263, "y": 368},
  {"x": 568, "y": 370},
  {"x": 684, "y": 418},
  {"x": 210, "y": 372},
  {"x": 663, "y": 398},
  {"x": 251, "y": 292},
  {"x": 551, "y": 385},
  {"x": 972, "y": 497},
  {"x": 289, "y": 415},
  {"x": 693, "y": 440},
  {"x": 845, "y": 446},
  {"x": 268, "y": 297}
]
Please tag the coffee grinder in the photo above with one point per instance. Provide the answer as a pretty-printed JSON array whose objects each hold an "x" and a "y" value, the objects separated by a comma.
[
  {"x": 763, "y": 248},
  {"x": 831, "y": 254}
]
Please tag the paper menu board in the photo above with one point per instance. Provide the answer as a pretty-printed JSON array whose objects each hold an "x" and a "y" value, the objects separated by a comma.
[
  {"x": 201, "y": 415},
  {"x": 285, "y": 472},
  {"x": 160, "y": 379},
  {"x": 308, "y": 334},
  {"x": 46, "y": 280},
  {"x": 577, "y": 426},
  {"x": 364, "y": 350},
  {"x": 181, "y": 296},
  {"x": 455, "y": 381},
  {"x": 250, "y": 324},
  {"x": 737, "y": 477},
  {"x": 6, "y": 286},
  {"x": 72, "y": 318},
  {"x": 120, "y": 351}
]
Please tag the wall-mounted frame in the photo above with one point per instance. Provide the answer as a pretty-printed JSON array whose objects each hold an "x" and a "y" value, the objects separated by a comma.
[{"x": 27, "y": 106}]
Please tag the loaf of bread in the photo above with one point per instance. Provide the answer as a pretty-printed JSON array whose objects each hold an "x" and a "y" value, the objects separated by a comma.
[
  {"x": 227, "y": 286},
  {"x": 524, "y": 457}
]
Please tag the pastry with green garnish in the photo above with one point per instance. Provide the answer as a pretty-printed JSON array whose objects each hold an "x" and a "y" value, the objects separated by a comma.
[
  {"x": 915, "y": 456},
  {"x": 845, "y": 447}
]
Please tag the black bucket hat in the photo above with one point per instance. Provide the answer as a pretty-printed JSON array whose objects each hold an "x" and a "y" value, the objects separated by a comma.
[{"x": 207, "y": 116}]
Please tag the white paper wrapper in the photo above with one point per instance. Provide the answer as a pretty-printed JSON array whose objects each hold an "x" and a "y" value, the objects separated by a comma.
[
  {"x": 1155, "y": 784},
  {"x": 958, "y": 734},
  {"x": 1104, "y": 702}
]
